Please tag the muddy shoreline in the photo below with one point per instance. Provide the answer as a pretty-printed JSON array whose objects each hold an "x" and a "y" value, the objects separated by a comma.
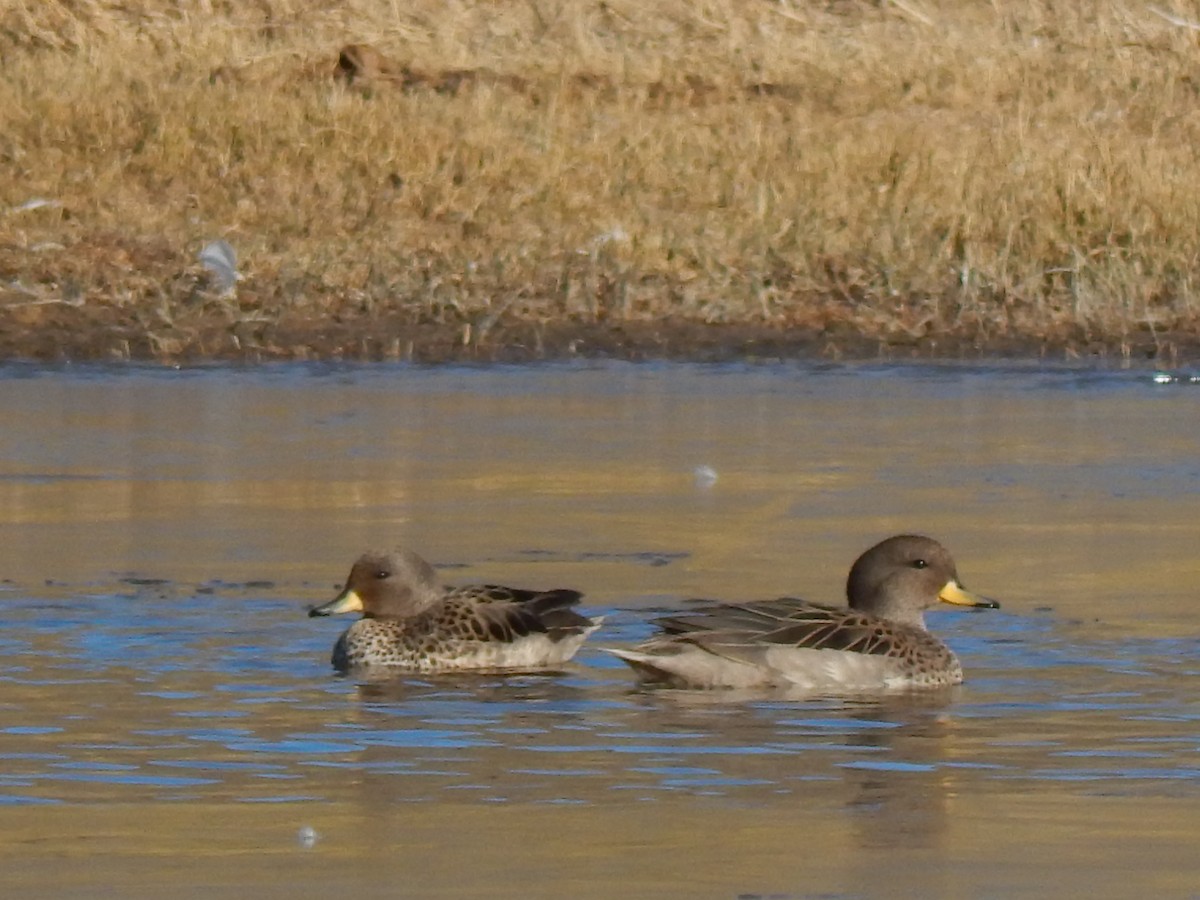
[{"x": 65, "y": 333}]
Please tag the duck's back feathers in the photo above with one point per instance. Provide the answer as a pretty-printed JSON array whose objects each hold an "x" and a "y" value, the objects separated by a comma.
[
  {"x": 503, "y": 614},
  {"x": 789, "y": 621}
]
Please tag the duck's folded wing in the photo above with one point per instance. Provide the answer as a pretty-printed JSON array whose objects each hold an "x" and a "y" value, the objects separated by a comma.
[
  {"x": 745, "y": 631},
  {"x": 497, "y": 613},
  {"x": 498, "y": 593},
  {"x": 758, "y": 617}
]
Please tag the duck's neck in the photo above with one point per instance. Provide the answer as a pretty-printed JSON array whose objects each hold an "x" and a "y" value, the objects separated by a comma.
[{"x": 912, "y": 618}]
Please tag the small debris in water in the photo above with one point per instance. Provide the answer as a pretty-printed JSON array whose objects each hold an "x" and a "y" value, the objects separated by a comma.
[
  {"x": 1170, "y": 378},
  {"x": 307, "y": 837},
  {"x": 705, "y": 476},
  {"x": 137, "y": 581}
]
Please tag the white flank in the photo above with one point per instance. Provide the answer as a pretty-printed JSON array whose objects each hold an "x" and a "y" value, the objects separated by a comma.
[{"x": 803, "y": 670}]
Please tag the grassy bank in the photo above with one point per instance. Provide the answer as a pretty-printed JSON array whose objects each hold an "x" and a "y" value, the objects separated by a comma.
[{"x": 928, "y": 173}]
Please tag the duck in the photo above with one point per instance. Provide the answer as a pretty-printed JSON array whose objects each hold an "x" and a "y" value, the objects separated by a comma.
[
  {"x": 411, "y": 622},
  {"x": 878, "y": 642}
]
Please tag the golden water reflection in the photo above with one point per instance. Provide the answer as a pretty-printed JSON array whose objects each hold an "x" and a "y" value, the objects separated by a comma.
[
  {"x": 167, "y": 698},
  {"x": 472, "y": 850}
]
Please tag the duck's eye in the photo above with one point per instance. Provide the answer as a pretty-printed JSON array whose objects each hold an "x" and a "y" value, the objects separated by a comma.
[
  {"x": 382, "y": 574},
  {"x": 919, "y": 564}
]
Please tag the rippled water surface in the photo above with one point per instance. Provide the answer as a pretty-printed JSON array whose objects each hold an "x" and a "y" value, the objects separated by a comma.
[{"x": 170, "y": 725}]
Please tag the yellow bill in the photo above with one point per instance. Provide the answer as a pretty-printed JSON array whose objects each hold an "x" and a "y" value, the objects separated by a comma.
[
  {"x": 346, "y": 601},
  {"x": 955, "y": 593}
]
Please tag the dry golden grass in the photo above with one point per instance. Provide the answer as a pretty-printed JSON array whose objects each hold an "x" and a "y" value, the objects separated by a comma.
[{"x": 901, "y": 171}]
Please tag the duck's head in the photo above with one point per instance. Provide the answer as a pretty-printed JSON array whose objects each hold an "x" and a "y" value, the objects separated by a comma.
[
  {"x": 901, "y": 577},
  {"x": 393, "y": 584}
]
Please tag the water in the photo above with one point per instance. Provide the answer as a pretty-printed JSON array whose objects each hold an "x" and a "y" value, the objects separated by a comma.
[{"x": 169, "y": 722}]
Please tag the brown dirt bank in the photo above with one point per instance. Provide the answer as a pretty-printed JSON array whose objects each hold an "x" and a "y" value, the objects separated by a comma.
[
  {"x": 119, "y": 297},
  {"x": 112, "y": 296},
  {"x": 61, "y": 332}
]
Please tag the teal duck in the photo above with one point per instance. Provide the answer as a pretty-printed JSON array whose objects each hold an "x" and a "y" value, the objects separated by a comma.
[
  {"x": 410, "y": 622},
  {"x": 878, "y": 642}
]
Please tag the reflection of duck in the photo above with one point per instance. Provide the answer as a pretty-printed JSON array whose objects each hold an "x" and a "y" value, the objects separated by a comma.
[
  {"x": 879, "y": 642},
  {"x": 410, "y": 622}
]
